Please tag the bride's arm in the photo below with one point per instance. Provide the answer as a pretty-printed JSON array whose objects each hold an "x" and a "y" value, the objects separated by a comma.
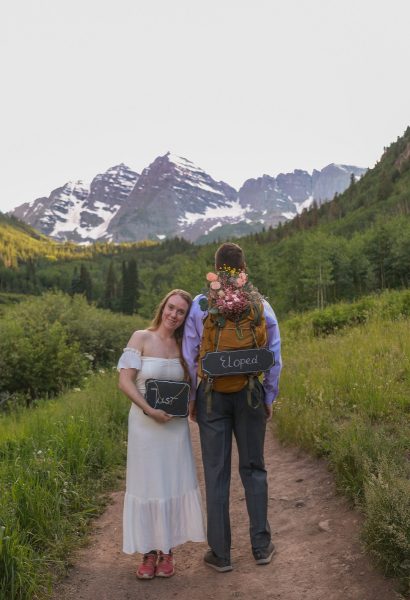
[{"x": 128, "y": 366}]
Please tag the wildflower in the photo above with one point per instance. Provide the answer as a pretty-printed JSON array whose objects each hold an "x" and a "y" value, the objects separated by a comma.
[{"x": 212, "y": 277}]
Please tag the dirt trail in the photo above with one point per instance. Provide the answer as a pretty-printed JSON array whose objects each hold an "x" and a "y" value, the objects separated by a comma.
[{"x": 319, "y": 556}]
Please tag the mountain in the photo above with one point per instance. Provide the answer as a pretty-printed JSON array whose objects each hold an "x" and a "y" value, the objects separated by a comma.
[
  {"x": 173, "y": 197},
  {"x": 272, "y": 200},
  {"x": 79, "y": 212}
]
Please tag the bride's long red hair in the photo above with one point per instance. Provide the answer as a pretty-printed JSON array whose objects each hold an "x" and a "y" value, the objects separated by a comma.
[{"x": 178, "y": 333}]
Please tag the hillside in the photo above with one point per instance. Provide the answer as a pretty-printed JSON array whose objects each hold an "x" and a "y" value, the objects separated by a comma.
[
  {"x": 19, "y": 241},
  {"x": 383, "y": 191}
]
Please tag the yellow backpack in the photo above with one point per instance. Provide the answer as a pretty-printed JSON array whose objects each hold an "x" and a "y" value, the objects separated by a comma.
[{"x": 248, "y": 332}]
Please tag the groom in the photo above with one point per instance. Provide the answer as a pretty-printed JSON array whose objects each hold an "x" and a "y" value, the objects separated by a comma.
[{"x": 233, "y": 413}]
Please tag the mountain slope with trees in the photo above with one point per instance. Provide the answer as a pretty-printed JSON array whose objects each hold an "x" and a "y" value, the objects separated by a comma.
[{"x": 356, "y": 244}]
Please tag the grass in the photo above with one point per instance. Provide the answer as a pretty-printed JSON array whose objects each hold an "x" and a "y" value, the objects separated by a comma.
[
  {"x": 55, "y": 462},
  {"x": 346, "y": 396}
]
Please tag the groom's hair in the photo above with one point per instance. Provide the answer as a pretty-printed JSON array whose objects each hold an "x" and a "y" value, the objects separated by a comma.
[{"x": 231, "y": 255}]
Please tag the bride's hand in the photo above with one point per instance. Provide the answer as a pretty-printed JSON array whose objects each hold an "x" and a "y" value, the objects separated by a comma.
[{"x": 159, "y": 415}]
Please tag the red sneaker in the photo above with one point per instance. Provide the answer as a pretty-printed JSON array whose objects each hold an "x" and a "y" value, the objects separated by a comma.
[
  {"x": 146, "y": 570},
  {"x": 165, "y": 566}
]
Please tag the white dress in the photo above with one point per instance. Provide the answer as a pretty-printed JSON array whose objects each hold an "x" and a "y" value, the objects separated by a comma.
[{"x": 162, "y": 504}]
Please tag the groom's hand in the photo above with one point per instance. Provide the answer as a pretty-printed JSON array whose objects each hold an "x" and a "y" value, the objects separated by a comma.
[{"x": 268, "y": 411}]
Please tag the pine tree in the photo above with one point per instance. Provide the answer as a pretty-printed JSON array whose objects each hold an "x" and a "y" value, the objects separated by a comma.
[
  {"x": 130, "y": 287},
  {"x": 31, "y": 278},
  {"x": 110, "y": 291},
  {"x": 86, "y": 284},
  {"x": 75, "y": 283},
  {"x": 82, "y": 284}
]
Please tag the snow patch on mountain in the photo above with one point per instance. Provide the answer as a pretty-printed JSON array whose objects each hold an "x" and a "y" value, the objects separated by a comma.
[
  {"x": 300, "y": 206},
  {"x": 231, "y": 210}
]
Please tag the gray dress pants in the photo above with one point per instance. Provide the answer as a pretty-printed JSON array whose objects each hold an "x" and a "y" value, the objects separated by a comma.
[{"x": 232, "y": 413}]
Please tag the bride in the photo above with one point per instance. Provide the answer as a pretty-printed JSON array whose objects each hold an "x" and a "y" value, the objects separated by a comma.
[{"x": 162, "y": 505}]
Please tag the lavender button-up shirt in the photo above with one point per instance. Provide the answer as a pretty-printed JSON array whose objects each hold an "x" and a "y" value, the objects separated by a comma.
[{"x": 192, "y": 339}]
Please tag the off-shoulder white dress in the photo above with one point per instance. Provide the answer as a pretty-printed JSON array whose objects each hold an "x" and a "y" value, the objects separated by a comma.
[{"x": 162, "y": 505}]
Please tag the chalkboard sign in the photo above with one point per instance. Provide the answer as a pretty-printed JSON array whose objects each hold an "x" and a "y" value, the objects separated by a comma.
[
  {"x": 237, "y": 362},
  {"x": 170, "y": 396}
]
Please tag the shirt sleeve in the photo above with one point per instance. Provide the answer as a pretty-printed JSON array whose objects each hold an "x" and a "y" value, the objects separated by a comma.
[
  {"x": 130, "y": 359},
  {"x": 271, "y": 377},
  {"x": 191, "y": 341}
]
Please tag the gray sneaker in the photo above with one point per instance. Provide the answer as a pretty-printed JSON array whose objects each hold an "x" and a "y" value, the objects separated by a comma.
[
  {"x": 219, "y": 564},
  {"x": 263, "y": 556}
]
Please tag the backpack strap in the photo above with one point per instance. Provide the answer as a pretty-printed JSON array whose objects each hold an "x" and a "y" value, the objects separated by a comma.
[
  {"x": 208, "y": 394},
  {"x": 218, "y": 331},
  {"x": 257, "y": 314},
  {"x": 255, "y": 341}
]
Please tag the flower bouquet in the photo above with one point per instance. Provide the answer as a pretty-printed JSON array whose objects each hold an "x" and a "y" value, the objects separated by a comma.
[{"x": 229, "y": 295}]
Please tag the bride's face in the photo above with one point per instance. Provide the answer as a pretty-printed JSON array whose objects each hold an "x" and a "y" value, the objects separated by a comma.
[{"x": 175, "y": 311}]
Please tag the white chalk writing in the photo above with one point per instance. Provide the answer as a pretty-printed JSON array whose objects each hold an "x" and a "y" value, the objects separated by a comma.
[
  {"x": 228, "y": 363},
  {"x": 169, "y": 400}
]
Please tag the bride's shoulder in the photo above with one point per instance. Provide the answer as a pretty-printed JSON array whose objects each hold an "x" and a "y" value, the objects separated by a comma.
[{"x": 139, "y": 339}]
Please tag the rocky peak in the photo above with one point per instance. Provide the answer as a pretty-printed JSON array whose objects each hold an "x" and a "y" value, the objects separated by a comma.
[
  {"x": 171, "y": 194},
  {"x": 331, "y": 179},
  {"x": 113, "y": 186}
]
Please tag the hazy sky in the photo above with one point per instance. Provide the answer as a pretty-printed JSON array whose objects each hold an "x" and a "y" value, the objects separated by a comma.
[{"x": 240, "y": 87}]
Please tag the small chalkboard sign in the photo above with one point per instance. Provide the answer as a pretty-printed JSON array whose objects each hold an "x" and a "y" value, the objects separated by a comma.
[
  {"x": 170, "y": 396},
  {"x": 238, "y": 362}
]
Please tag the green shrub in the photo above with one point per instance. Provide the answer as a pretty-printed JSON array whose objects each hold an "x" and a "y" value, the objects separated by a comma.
[
  {"x": 392, "y": 304},
  {"x": 48, "y": 344},
  {"x": 38, "y": 361},
  {"x": 98, "y": 332},
  {"x": 339, "y": 316}
]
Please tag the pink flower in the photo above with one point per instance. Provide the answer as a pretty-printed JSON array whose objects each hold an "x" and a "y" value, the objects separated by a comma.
[
  {"x": 215, "y": 285},
  {"x": 212, "y": 277},
  {"x": 240, "y": 282}
]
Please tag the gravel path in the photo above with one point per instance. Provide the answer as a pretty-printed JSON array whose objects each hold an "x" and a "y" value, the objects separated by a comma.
[{"x": 319, "y": 556}]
